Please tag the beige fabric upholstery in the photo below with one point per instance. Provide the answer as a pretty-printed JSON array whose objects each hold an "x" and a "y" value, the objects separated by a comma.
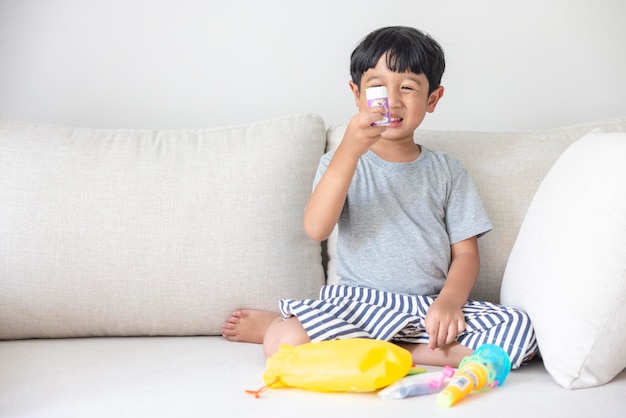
[
  {"x": 161, "y": 232},
  {"x": 205, "y": 377},
  {"x": 138, "y": 232}
]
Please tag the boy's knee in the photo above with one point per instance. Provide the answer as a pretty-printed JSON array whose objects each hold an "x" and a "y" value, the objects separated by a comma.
[{"x": 280, "y": 332}]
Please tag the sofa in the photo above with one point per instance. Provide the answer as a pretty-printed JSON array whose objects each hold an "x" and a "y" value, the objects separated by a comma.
[{"x": 123, "y": 251}]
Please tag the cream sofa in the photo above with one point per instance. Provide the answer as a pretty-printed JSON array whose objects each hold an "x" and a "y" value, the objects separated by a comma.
[{"x": 123, "y": 251}]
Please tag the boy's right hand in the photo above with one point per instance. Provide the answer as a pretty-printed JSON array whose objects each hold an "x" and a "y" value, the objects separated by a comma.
[
  {"x": 360, "y": 134},
  {"x": 327, "y": 200}
]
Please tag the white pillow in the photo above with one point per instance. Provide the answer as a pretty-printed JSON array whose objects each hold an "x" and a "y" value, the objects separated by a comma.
[{"x": 567, "y": 269}]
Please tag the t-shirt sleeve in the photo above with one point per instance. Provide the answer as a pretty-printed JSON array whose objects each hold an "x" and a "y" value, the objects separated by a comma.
[
  {"x": 321, "y": 168},
  {"x": 466, "y": 216}
]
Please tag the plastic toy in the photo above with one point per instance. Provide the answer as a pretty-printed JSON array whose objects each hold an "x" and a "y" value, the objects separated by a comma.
[
  {"x": 487, "y": 368},
  {"x": 419, "y": 384}
]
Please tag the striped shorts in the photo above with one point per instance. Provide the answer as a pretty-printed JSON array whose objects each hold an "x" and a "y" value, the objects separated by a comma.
[{"x": 344, "y": 312}]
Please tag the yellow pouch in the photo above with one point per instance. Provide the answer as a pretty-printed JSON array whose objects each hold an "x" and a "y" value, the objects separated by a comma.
[{"x": 352, "y": 365}]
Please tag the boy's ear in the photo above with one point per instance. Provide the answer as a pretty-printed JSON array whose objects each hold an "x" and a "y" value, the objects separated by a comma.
[
  {"x": 434, "y": 98},
  {"x": 355, "y": 92}
]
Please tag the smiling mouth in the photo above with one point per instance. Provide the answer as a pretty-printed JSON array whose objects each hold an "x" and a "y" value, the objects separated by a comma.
[{"x": 395, "y": 119}]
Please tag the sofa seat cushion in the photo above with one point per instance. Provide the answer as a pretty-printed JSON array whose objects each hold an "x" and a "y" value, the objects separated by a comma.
[
  {"x": 207, "y": 377},
  {"x": 144, "y": 232},
  {"x": 567, "y": 269}
]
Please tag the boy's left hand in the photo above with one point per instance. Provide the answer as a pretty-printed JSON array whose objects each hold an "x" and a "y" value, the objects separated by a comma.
[{"x": 444, "y": 321}]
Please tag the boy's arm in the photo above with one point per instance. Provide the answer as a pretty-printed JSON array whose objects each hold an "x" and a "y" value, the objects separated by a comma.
[
  {"x": 445, "y": 319},
  {"x": 327, "y": 200}
]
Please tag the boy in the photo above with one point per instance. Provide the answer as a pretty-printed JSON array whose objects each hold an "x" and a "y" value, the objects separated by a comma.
[{"x": 409, "y": 220}]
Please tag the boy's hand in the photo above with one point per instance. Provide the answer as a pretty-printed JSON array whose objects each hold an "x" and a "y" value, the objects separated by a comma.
[
  {"x": 444, "y": 321},
  {"x": 361, "y": 134}
]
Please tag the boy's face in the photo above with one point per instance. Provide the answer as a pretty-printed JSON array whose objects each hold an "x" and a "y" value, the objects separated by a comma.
[{"x": 408, "y": 98}]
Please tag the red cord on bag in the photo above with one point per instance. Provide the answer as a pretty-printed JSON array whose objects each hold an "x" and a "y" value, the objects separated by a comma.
[{"x": 257, "y": 393}]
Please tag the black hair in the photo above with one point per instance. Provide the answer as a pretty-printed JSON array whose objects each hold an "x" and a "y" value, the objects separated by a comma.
[{"x": 407, "y": 49}]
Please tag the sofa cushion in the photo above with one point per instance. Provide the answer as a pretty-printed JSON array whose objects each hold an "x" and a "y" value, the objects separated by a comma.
[
  {"x": 507, "y": 168},
  {"x": 568, "y": 265},
  {"x": 204, "y": 377},
  {"x": 142, "y": 232}
]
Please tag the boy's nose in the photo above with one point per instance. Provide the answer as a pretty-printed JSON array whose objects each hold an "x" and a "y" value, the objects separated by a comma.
[{"x": 392, "y": 97}]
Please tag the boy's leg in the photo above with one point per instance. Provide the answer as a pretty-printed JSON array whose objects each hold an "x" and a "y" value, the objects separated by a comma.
[
  {"x": 509, "y": 328},
  {"x": 449, "y": 355},
  {"x": 264, "y": 327},
  {"x": 248, "y": 325},
  {"x": 284, "y": 331}
]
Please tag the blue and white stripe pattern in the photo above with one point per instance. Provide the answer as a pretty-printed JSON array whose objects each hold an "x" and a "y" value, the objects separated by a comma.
[{"x": 356, "y": 312}]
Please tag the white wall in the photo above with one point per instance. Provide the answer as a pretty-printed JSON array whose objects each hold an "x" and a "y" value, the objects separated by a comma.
[{"x": 195, "y": 63}]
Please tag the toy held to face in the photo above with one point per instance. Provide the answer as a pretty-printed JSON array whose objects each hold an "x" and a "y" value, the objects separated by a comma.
[
  {"x": 487, "y": 368},
  {"x": 377, "y": 96}
]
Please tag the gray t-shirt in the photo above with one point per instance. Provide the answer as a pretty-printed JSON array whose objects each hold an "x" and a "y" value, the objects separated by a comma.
[{"x": 400, "y": 219}]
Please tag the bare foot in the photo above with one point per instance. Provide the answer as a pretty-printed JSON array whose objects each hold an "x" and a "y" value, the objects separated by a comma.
[{"x": 248, "y": 325}]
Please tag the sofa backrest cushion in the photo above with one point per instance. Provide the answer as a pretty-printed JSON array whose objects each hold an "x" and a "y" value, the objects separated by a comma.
[
  {"x": 507, "y": 168},
  {"x": 144, "y": 232}
]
